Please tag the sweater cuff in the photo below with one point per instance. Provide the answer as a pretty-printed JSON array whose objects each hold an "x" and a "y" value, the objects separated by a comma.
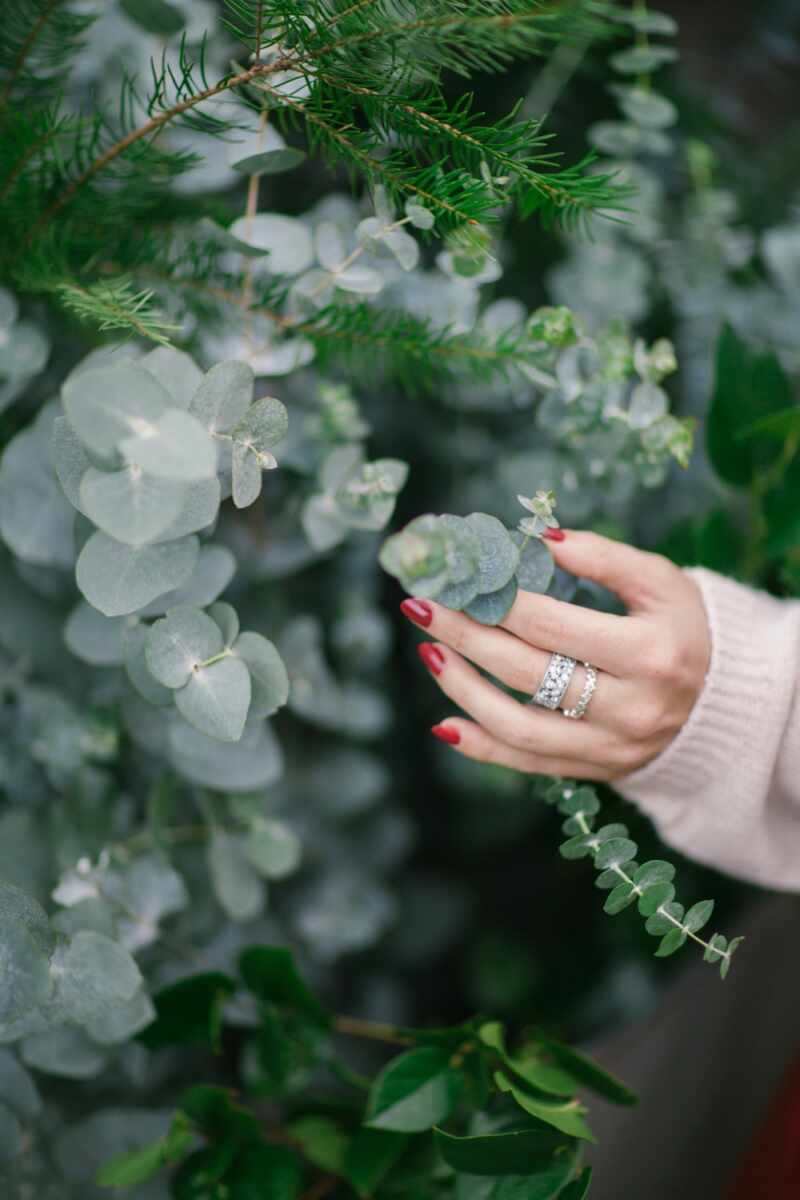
[{"x": 704, "y": 787}]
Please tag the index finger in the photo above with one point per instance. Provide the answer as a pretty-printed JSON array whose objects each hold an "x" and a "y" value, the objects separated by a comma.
[{"x": 605, "y": 640}]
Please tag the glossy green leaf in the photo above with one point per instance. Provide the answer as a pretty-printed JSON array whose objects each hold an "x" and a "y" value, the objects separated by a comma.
[
  {"x": 567, "y": 1116},
  {"x": 520, "y": 1152},
  {"x": 137, "y": 1166},
  {"x": 587, "y": 1073},
  {"x": 270, "y": 162},
  {"x": 414, "y": 1092},
  {"x": 370, "y": 1155},
  {"x": 188, "y": 1012},
  {"x": 269, "y": 972},
  {"x": 322, "y": 1140},
  {"x": 578, "y": 1189}
]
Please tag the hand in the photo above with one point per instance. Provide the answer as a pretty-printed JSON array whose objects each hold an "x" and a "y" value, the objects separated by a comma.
[{"x": 651, "y": 666}]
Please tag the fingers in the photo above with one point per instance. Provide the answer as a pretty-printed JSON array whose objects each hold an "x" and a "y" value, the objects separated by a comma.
[
  {"x": 642, "y": 580},
  {"x": 521, "y": 726},
  {"x": 607, "y": 641},
  {"x": 509, "y": 659},
  {"x": 472, "y": 741}
]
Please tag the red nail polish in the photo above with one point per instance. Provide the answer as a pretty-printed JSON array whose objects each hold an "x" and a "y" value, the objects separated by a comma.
[
  {"x": 445, "y": 734},
  {"x": 554, "y": 535},
  {"x": 417, "y": 611},
  {"x": 432, "y": 657}
]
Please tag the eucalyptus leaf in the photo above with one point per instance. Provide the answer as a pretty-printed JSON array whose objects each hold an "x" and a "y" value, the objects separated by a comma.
[
  {"x": 174, "y": 447},
  {"x": 246, "y": 475},
  {"x": 69, "y": 458},
  {"x": 269, "y": 679},
  {"x": 493, "y": 607},
  {"x": 270, "y": 162},
  {"x": 94, "y": 638},
  {"x": 255, "y": 761},
  {"x": 179, "y": 643},
  {"x": 227, "y": 621},
  {"x": 175, "y": 371},
  {"x": 223, "y": 396},
  {"x": 536, "y": 565},
  {"x": 216, "y": 698},
  {"x": 237, "y": 884},
  {"x": 106, "y": 405},
  {"x": 94, "y": 973},
  {"x": 499, "y": 556},
  {"x": 273, "y": 848},
  {"x": 119, "y": 579},
  {"x": 128, "y": 505}
]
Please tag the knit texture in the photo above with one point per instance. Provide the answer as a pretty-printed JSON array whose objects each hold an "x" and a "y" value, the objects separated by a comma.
[{"x": 726, "y": 791}]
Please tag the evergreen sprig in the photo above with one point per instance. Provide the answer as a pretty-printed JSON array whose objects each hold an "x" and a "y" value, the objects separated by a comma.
[
  {"x": 115, "y": 304},
  {"x": 38, "y": 37}
]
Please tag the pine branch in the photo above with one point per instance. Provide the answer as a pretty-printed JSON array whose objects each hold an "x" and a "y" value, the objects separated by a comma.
[
  {"x": 513, "y": 148},
  {"x": 151, "y": 126},
  {"x": 114, "y": 304},
  {"x": 455, "y": 195},
  {"x": 41, "y": 31}
]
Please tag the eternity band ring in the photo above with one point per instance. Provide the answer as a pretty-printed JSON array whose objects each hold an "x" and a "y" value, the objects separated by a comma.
[
  {"x": 589, "y": 685},
  {"x": 553, "y": 688}
]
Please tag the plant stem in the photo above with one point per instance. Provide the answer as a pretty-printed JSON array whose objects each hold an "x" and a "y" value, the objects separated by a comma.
[{"x": 375, "y": 1030}]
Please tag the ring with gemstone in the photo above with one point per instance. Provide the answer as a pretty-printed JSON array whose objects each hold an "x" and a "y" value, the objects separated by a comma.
[
  {"x": 589, "y": 685},
  {"x": 555, "y": 681}
]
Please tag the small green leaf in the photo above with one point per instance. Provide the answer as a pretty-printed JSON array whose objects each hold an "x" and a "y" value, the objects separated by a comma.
[
  {"x": 698, "y": 915},
  {"x": 273, "y": 848},
  {"x": 656, "y": 895},
  {"x": 188, "y": 1012},
  {"x": 107, "y": 404},
  {"x": 616, "y": 851},
  {"x": 218, "y": 1116},
  {"x": 236, "y": 883},
  {"x": 128, "y": 505},
  {"x": 564, "y": 1115},
  {"x": 521, "y": 1152},
  {"x": 581, "y": 800},
  {"x": 270, "y": 162},
  {"x": 664, "y": 919},
  {"x": 414, "y": 1092},
  {"x": 175, "y": 447},
  {"x": 499, "y": 556},
  {"x": 137, "y": 1166},
  {"x": 264, "y": 425},
  {"x": 270, "y": 973},
  {"x": 587, "y": 1073},
  {"x": 725, "y": 965},
  {"x": 178, "y": 643},
  {"x": 246, "y": 476},
  {"x": 671, "y": 941},
  {"x": 223, "y": 397},
  {"x": 577, "y": 847},
  {"x": 618, "y": 899},
  {"x": 226, "y": 619},
  {"x": 269, "y": 679},
  {"x": 156, "y": 16},
  {"x": 655, "y": 871},
  {"x": 536, "y": 563},
  {"x": 717, "y": 945},
  {"x": 265, "y": 1171},
  {"x": 323, "y": 1142},
  {"x": 493, "y": 607},
  {"x": 216, "y": 699},
  {"x": 370, "y": 1156}
]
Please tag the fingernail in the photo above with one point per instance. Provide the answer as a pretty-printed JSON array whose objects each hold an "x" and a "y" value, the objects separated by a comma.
[
  {"x": 445, "y": 734},
  {"x": 417, "y": 611},
  {"x": 432, "y": 657},
  {"x": 554, "y": 535}
]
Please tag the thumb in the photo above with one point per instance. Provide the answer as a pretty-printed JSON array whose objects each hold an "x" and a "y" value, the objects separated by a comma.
[{"x": 642, "y": 580}]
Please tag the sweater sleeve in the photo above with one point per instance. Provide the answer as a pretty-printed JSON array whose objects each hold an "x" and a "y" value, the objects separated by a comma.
[{"x": 726, "y": 791}]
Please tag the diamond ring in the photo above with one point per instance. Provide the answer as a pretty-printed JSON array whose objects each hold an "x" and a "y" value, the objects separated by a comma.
[
  {"x": 589, "y": 685},
  {"x": 553, "y": 688}
]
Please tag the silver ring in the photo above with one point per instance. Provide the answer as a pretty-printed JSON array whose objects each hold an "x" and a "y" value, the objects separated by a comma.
[
  {"x": 553, "y": 688},
  {"x": 589, "y": 685}
]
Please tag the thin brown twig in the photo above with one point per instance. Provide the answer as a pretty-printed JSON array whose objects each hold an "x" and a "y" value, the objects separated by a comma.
[{"x": 374, "y": 1030}]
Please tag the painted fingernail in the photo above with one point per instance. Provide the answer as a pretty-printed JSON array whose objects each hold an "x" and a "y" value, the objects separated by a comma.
[
  {"x": 417, "y": 611},
  {"x": 432, "y": 657},
  {"x": 554, "y": 535},
  {"x": 445, "y": 734}
]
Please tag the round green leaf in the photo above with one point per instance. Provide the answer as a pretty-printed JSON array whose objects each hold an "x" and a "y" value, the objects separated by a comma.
[
  {"x": 270, "y": 162},
  {"x": 236, "y": 883},
  {"x": 175, "y": 447},
  {"x": 94, "y": 638},
  {"x": 26, "y": 943},
  {"x": 270, "y": 681},
  {"x": 223, "y": 396},
  {"x": 536, "y": 565},
  {"x": 129, "y": 505},
  {"x": 226, "y": 619},
  {"x": 179, "y": 643},
  {"x": 493, "y": 607},
  {"x": 119, "y": 579},
  {"x": 216, "y": 698},
  {"x": 273, "y": 848},
  {"x": 108, "y": 404},
  {"x": 94, "y": 973},
  {"x": 499, "y": 556},
  {"x": 177, "y": 373}
]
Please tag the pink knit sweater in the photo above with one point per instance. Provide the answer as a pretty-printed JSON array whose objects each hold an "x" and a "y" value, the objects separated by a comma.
[{"x": 726, "y": 791}]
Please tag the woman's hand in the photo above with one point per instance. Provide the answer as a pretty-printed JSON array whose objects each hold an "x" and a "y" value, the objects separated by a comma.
[{"x": 651, "y": 666}]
